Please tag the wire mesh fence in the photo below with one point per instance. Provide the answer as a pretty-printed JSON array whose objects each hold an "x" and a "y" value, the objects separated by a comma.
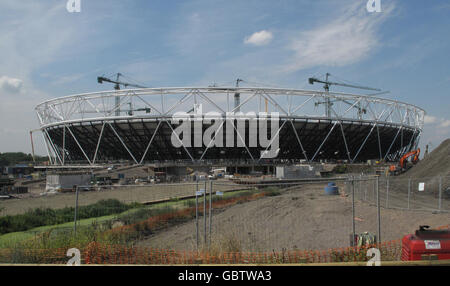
[
  {"x": 416, "y": 194},
  {"x": 96, "y": 253},
  {"x": 224, "y": 221}
]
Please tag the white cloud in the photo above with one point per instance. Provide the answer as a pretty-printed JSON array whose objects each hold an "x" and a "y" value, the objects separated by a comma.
[
  {"x": 10, "y": 84},
  {"x": 67, "y": 79},
  {"x": 436, "y": 130},
  {"x": 439, "y": 122},
  {"x": 444, "y": 124},
  {"x": 345, "y": 40},
  {"x": 33, "y": 34},
  {"x": 430, "y": 119},
  {"x": 259, "y": 38}
]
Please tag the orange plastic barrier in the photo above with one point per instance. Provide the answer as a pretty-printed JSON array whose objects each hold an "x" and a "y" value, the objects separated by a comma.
[
  {"x": 96, "y": 253},
  {"x": 117, "y": 254}
]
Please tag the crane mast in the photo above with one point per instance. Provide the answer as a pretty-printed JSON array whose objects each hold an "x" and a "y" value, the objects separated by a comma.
[
  {"x": 326, "y": 87},
  {"x": 237, "y": 97},
  {"x": 117, "y": 84}
]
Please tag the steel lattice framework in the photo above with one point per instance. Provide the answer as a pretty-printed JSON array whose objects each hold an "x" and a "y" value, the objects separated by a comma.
[{"x": 85, "y": 128}]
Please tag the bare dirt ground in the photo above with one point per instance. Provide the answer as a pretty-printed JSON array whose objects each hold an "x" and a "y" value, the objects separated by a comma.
[
  {"x": 304, "y": 218},
  {"x": 435, "y": 163},
  {"x": 428, "y": 170}
]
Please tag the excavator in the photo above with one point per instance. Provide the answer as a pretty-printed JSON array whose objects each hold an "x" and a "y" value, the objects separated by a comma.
[{"x": 402, "y": 164}]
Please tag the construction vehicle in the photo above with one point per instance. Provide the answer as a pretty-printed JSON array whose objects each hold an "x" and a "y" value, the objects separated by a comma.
[
  {"x": 426, "y": 244},
  {"x": 403, "y": 165}
]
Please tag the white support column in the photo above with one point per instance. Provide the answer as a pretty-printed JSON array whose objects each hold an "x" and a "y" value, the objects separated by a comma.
[
  {"x": 98, "y": 143},
  {"x": 123, "y": 143},
  {"x": 271, "y": 141},
  {"x": 47, "y": 148},
  {"x": 345, "y": 141},
  {"x": 184, "y": 147},
  {"x": 64, "y": 145},
  {"x": 323, "y": 142},
  {"x": 364, "y": 143},
  {"x": 150, "y": 142},
  {"x": 242, "y": 140},
  {"x": 78, "y": 143},
  {"x": 298, "y": 140},
  {"x": 55, "y": 150}
]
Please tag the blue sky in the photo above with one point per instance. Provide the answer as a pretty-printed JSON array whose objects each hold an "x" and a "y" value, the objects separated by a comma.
[{"x": 47, "y": 52}]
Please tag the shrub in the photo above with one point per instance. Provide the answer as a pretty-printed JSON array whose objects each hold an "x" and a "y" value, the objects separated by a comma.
[
  {"x": 144, "y": 213},
  {"x": 352, "y": 254},
  {"x": 41, "y": 217},
  {"x": 340, "y": 169}
]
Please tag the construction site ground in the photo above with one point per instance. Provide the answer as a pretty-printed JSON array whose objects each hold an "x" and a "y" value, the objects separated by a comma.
[{"x": 301, "y": 218}]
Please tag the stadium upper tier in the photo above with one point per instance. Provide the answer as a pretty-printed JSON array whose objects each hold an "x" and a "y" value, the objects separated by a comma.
[{"x": 141, "y": 125}]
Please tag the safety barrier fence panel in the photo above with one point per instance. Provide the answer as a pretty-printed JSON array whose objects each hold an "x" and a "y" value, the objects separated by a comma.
[{"x": 96, "y": 253}]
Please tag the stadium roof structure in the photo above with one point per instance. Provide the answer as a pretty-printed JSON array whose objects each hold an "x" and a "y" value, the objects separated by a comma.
[{"x": 92, "y": 128}]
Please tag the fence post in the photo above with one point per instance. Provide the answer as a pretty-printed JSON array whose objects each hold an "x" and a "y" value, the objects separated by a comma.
[
  {"x": 204, "y": 215},
  {"x": 76, "y": 212},
  {"x": 409, "y": 190},
  {"x": 374, "y": 190},
  {"x": 387, "y": 191},
  {"x": 365, "y": 190},
  {"x": 377, "y": 182},
  {"x": 210, "y": 210},
  {"x": 353, "y": 212},
  {"x": 440, "y": 192},
  {"x": 196, "y": 213},
  {"x": 360, "y": 190}
]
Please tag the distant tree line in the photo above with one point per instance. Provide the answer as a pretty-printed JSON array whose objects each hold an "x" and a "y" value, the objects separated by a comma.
[{"x": 12, "y": 158}]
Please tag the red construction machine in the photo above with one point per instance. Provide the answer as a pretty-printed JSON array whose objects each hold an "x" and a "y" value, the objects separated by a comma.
[
  {"x": 426, "y": 244},
  {"x": 403, "y": 163}
]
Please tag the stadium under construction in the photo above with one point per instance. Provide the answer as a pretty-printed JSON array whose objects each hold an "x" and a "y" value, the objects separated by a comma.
[{"x": 138, "y": 126}]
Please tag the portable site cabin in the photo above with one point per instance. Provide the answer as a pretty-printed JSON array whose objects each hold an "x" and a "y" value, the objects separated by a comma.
[{"x": 66, "y": 181}]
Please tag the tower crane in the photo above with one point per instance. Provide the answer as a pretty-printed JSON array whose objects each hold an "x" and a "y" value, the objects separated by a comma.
[
  {"x": 237, "y": 96},
  {"x": 328, "y": 102},
  {"x": 117, "y": 84}
]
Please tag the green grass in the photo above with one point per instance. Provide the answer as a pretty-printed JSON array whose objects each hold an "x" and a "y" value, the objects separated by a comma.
[
  {"x": 130, "y": 216},
  {"x": 44, "y": 217},
  {"x": 143, "y": 213},
  {"x": 12, "y": 238}
]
